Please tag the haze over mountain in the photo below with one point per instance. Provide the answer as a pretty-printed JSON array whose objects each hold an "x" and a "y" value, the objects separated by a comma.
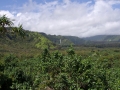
[
  {"x": 110, "y": 38},
  {"x": 82, "y": 18}
]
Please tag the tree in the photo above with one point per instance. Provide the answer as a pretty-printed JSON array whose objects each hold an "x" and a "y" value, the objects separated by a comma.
[{"x": 6, "y": 25}]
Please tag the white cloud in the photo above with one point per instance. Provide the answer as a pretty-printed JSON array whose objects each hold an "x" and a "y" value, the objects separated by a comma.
[
  {"x": 7, "y": 13},
  {"x": 66, "y": 1},
  {"x": 69, "y": 18}
]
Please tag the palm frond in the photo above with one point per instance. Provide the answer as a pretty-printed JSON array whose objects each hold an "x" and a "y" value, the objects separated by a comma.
[
  {"x": 19, "y": 30},
  {"x": 5, "y": 21}
]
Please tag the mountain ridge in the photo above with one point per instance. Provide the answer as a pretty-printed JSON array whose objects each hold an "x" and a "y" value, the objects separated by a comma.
[
  {"x": 114, "y": 38},
  {"x": 42, "y": 40}
]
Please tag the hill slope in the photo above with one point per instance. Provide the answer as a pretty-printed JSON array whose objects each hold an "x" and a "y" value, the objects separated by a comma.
[
  {"x": 114, "y": 38},
  {"x": 32, "y": 43},
  {"x": 64, "y": 40}
]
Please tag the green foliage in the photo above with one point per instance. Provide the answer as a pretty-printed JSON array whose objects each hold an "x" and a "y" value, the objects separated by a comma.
[
  {"x": 43, "y": 43},
  {"x": 19, "y": 30},
  {"x": 70, "y": 51},
  {"x": 40, "y": 41},
  {"x": 6, "y": 25},
  {"x": 5, "y": 82},
  {"x": 32, "y": 43},
  {"x": 58, "y": 71}
]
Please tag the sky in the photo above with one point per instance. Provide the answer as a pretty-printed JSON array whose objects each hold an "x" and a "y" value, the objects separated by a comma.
[{"x": 82, "y": 18}]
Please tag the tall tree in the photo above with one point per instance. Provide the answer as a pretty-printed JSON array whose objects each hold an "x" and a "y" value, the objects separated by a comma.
[{"x": 7, "y": 25}]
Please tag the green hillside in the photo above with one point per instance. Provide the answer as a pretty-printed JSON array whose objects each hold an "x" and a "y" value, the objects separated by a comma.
[
  {"x": 64, "y": 40},
  {"x": 32, "y": 42},
  {"x": 35, "y": 40},
  {"x": 58, "y": 39},
  {"x": 40, "y": 41},
  {"x": 76, "y": 40},
  {"x": 114, "y": 38},
  {"x": 96, "y": 38}
]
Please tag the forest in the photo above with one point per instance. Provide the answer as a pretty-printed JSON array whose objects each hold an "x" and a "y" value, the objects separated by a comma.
[{"x": 36, "y": 61}]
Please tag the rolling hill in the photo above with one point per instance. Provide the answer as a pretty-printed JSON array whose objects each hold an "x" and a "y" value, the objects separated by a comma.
[{"x": 37, "y": 41}]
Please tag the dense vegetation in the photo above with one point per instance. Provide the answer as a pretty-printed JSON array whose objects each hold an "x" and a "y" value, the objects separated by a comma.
[
  {"x": 95, "y": 70},
  {"x": 39, "y": 62}
]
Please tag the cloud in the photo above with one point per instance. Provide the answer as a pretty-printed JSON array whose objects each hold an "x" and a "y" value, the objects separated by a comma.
[
  {"x": 7, "y": 13},
  {"x": 69, "y": 18}
]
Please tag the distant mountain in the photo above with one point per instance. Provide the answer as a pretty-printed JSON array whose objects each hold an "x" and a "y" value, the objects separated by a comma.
[
  {"x": 96, "y": 38},
  {"x": 115, "y": 38},
  {"x": 36, "y": 40},
  {"x": 111, "y": 38},
  {"x": 76, "y": 40},
  {"x": 39, "y": 40},
  {"x": 58, "y": 39},
  {"x": 64, "y": 40}
]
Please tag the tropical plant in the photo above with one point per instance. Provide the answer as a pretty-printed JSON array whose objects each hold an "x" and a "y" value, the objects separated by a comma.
[
  {"x": 6, "y": 25},
  {"x": 19, "y": 30},
  {"x": 5, "y": 21}
]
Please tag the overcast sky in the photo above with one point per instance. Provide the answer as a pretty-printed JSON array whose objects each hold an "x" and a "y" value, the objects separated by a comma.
[{"x": 81, "y": 18}]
